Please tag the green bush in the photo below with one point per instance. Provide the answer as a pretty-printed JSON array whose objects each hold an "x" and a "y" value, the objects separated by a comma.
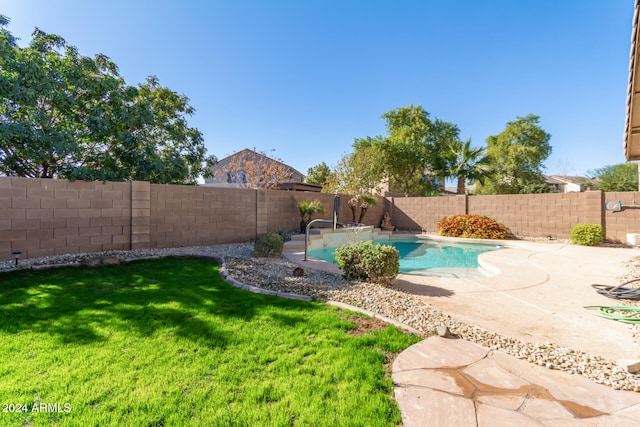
[
  {"x": 587, "y": 234},
  {"x": 368, "y": 262},
  {"x": 269, "y": 245},
  {"x": 472, "y": 227}
]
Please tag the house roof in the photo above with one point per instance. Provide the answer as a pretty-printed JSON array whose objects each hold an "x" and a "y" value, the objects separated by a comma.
[
  {"x": 299, "y": 186},
  {"x": 249, "y": 152},
  {"x": 562, "y": 179},
  {"x": 552, "y": 180},
  {"x": 631, "y": 141}
]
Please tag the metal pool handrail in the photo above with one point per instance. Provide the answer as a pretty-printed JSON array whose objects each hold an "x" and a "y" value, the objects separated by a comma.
[
  {"x": 306, "y": 232},
  {"x": 327, "y": 221}
]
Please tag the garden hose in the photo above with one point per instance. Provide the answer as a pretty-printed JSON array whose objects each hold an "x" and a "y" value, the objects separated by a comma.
[
  {"x": 620, "y": 291},
  {"x": 616, "y": 313}
]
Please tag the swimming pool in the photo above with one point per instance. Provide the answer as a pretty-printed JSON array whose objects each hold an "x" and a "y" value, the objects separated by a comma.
[{"x": 430, "y": 257}]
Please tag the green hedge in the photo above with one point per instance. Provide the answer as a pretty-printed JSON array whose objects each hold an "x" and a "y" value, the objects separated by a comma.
[{"x": 368, "y": 262}]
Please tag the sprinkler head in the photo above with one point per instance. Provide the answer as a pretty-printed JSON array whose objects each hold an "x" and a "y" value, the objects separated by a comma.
[{"x": 16, "y": 255}]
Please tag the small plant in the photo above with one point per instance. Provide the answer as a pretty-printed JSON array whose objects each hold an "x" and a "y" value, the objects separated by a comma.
[
  {"x": 307, "y": 209},
  {"x": 368, "y": 262},
  {"x": 587, "y": 234},
  {"x": 269, "y": 245},
  {"x": 472, "y": 227},
  {"x": 283, "y": 233}
]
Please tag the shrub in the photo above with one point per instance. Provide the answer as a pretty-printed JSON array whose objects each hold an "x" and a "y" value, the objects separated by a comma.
[
  {"x": 269, "y": 245},
  {"x": 368, "y": 262},
  {"x": 472, "y": 227},
  {"x": 587, "y": 234}
]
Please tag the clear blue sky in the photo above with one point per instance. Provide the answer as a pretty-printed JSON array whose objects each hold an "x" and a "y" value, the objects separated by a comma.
[{"x": 306, "y": 77}]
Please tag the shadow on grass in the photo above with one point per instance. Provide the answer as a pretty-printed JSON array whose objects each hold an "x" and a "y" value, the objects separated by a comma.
[{"x": 81, "y": 305}]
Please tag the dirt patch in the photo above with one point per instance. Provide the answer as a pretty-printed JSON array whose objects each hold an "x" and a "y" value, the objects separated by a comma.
[{"x": 364, "y": 325}]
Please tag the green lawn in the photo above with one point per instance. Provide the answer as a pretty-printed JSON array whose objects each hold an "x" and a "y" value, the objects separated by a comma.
[{"x": 168, "y": 343}]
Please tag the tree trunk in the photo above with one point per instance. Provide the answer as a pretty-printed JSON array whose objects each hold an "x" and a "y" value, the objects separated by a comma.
[
  {"x": 353, "y": 205},
  {"x": 461, "y": 185},
  {"x": 363, "y": 210}
]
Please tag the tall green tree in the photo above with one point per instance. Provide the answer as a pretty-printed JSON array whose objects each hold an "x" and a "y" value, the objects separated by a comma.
[
  {"x": 406, "y": 151},
  {"x": 466, "y": 163},
  {"x": 71, "y": 116},
  {"x": 517, "y": 155},
  {"x": 319, "y": 174},
  {"x": 357, "y": 173},
  {"x": 620, "y": 177},
  {"x": 443, "y": 135},
  {"x": 410, "y": 156}
]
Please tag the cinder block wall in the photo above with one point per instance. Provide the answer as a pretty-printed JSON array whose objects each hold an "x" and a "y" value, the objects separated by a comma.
[
  {"x": 44, "y": 217},
  {"x": 540, "y": 215},
  {"x": 532, "y": 215},
  {"x": 618, "y": 224},
  {"x": 423, "y": 213},
  {"x": 192, "y": 216}
]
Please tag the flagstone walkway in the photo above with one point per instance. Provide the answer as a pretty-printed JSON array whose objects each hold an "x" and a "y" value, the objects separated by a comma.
[{"x": 451, "y": 382}]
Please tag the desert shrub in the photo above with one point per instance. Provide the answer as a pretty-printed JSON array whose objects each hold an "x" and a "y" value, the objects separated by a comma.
[
  {"x": 368, "y": 262},
  {"x": 472, "y": 227},
  {"x": 269, "y": 245},
  {"x": 587, "y": 234}
]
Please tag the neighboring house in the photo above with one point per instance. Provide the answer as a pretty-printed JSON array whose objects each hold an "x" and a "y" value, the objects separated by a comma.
[
  {"x": 299, "y": 186},
  {"x": 250, "y": 169},
  {"x": 569, "y": 184}
]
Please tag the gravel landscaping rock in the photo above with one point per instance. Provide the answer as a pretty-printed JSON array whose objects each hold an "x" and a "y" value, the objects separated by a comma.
[{"x": 277, "y": 274}]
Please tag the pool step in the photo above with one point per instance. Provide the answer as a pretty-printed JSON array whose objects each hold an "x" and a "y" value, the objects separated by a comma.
[
  {"x": 294, "y": 245},
  {"x": 297, "y": 240},
  {"x": 381, "y": 234}
]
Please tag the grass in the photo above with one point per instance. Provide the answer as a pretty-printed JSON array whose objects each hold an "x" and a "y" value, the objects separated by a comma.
[{"x": 168, "y": 343}]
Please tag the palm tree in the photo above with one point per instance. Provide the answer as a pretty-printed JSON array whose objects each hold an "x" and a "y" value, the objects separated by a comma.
[
  {"x": 362, "y": 200},
  {"x": 307, "y": 209},
  {"x": 466, "y": 163}
]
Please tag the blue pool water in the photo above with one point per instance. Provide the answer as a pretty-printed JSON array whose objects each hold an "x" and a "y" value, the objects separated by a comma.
[{"x": 422, "y": 256}]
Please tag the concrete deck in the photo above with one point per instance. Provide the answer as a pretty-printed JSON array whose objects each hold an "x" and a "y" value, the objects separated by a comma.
[{"x": 537, "y": 295}]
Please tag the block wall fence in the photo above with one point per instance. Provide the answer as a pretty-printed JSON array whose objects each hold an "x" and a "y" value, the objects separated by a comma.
[{"x": 44, "y": 217}]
